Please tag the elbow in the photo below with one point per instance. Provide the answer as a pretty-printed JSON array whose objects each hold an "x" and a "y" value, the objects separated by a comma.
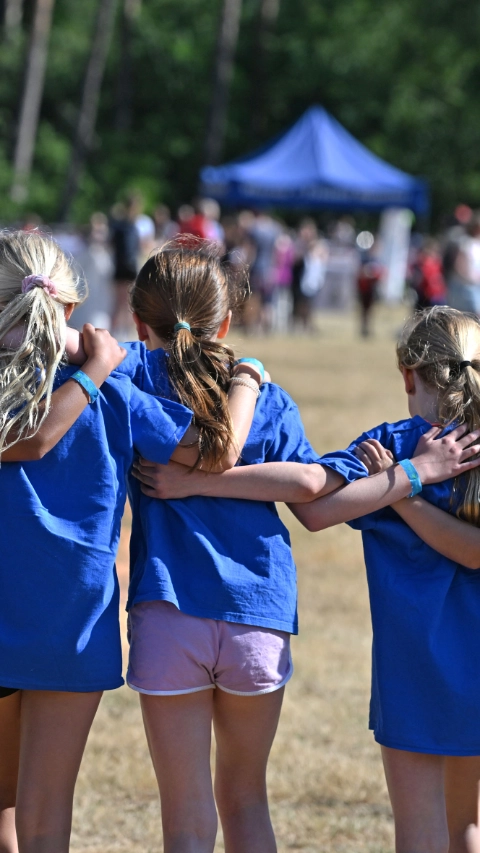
[
  {"x": 309, "y": 520},
  {"x": 34, "y": 450},
  {"x": 228, "y": 462},
  {"x": 309, "y": 485}
]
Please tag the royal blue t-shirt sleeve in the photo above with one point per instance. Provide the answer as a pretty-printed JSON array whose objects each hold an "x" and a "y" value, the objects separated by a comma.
[
  {"x": 133, "y": 365},
  {"x": 157, "y": 425},
  {"x": 290, "y": 443},
  {"x": 345, "y": 462}
]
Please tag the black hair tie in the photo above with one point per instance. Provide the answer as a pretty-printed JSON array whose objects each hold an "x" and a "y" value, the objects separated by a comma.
[{"x": 464, "y": 364}]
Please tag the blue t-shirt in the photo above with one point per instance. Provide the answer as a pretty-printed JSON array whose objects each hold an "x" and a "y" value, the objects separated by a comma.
[
  {"x": 59, "y": 532},
  {"x": 212, "y": 557},
  {"x": 426, "y": 621}
]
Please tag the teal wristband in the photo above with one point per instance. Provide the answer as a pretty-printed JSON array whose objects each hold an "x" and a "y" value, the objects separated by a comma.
[
  {"x": 87, "y": 384},
  {"x": 413, "y": 476},
  {"x": 258, "y": 364}
]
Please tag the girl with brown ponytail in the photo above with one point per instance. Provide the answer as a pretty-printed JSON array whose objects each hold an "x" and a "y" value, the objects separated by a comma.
[
  {"x": 423, "y": 569},
  {"x": 212, "y": 599}
]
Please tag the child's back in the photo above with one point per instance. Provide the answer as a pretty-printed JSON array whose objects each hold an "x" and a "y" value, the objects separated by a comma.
[
  {"x": 425, "y": 616},
  {"x": 59, "y": 535},
  {"x": 211, "y": 557}
]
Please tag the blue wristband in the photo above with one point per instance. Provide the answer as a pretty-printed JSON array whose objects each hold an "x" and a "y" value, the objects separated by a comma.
[
  {"x": 413, "y": 476},
  {"x": 256, "y": 363},
  {"x": 87, "y": 384}
]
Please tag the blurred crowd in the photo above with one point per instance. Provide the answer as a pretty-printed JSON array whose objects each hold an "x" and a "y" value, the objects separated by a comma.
[{"x": 294, "y": 272}]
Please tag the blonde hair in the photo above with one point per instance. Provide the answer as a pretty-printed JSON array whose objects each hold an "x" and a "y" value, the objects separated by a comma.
[
  {"x": 27, "y": 372},
  {"x": 443, "y": 346},
  {"x": 187, "y": 281}
]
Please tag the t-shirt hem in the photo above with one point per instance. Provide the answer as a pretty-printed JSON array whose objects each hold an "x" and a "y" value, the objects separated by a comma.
[
  {"x": 428, "y": 750},
  {"x": 20, "y": 684},
  {"x": 245, "y": 618}
]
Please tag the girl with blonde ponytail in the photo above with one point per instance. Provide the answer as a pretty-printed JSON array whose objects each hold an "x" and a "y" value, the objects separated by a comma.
[{"x": 59, "y": 628}]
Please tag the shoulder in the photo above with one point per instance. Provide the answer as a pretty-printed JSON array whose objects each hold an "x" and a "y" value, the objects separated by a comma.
[
  {"x": 146, "y": 368},
  {"x": 275, "y": 399},
  {"x": 407, "y": 427},
  {"x": 401, "y": 437}
]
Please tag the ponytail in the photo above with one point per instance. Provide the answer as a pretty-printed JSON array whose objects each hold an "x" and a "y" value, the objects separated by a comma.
[
  {"x": 36, "y": 282},
  {"x": 184, "y": 292},
  {"x": 443, "y": 346}
]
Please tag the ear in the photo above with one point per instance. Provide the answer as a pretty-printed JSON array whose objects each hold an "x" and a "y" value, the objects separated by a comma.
[
  {"x": 224, "y": 326},
  {"x": 408, "y": 379},
  {"x": 141, "y": 327},
  {"x": 68, "y": 309}
]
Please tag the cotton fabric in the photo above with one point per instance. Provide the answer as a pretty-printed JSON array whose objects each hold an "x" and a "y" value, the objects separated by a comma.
[
  {"x": 172, "y": 653},
  {"x": 425, "y": 609},
  {"x": 215, "y": 558},
  {"x": 59, "y": 532}
]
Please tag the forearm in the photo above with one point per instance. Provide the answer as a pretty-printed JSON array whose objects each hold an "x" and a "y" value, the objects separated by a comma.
[
  {"x": 274, "y": 481},
  {"x": 270, "y": 481},
  {"x": 67, "y": 404},
  {"x": 455, "y": 539},
  {"x": 241, "y": 403},
  {"x": 359, "y": 498}
]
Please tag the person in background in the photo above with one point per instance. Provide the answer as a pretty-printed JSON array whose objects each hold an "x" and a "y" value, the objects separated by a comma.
[
  {"x": 125, "y": 243},
  {"x": 96, "y": 265},
  {"x": 282, "y": 274},
  {"x": 428, "y": 281},
  {"x": 308, "y": 274},
  {"x": 263, "y": 231},
  {"x": 201, "y": 220},
  {"x": 165, "y": 227},
  {"x": 464, "y": 283},
  {"x": 369, "y": 276}
]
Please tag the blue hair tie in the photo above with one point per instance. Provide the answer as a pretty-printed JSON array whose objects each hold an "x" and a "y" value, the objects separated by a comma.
[{"x": 182, "y": 325}]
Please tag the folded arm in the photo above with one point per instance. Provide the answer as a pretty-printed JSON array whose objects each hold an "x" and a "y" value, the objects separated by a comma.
[
  {"x": 450, "y": 536},
  {"x": 69, "y": 401},
  {"x": 241, "y": 402},
  {"x": 270, "y": 481}
]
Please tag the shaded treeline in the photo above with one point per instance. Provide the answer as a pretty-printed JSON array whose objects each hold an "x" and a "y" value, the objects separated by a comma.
[{"x": 178, "y": 81}]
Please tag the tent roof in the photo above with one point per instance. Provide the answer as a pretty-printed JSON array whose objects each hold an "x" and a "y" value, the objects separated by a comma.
[{"x": 316, "y": 163}]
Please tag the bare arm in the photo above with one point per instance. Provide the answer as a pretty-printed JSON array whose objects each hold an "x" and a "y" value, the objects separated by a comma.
[
  {"x": 270, "y": 481},
  {"x": 435, "y": 459},
  {"x": 450, "y": 536},
  {"x": 69, "y": 401},
  {"x": 456, "y": 539},
  {"x": 241, "y": 402}
]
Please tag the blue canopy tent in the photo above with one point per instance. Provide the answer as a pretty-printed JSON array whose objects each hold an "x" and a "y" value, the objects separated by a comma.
[{"x": 314, "y": 164}]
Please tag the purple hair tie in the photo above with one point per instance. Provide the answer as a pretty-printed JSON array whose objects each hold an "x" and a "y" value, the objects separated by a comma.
[{"x": 43, "y": 281}]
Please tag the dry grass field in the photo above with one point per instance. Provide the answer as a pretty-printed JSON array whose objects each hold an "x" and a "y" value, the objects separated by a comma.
[{"x": 326, "y": 783}]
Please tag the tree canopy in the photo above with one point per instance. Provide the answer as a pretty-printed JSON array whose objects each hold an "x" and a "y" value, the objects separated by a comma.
[{"x": 402, "y": 77}]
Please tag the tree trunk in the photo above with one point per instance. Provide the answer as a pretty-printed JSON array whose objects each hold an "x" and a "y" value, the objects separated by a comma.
[
  {"x": 12, "y": 15},
  {"x": 87, "y": 117},
  {"x": 224, "y": 56},
  {"x": 31, "y": 99},
  {"x": 124, "y": 110},
  {"x": 267, "y": 19}
]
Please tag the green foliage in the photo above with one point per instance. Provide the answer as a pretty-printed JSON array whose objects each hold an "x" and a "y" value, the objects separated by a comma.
[{"x": 402, "y": 77}]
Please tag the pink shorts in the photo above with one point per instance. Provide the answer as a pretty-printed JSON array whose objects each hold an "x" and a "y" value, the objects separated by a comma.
[{"x": 173, "y": 653}]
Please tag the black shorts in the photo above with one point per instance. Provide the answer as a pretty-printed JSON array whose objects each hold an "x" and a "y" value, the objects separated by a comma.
[{"x": 7, "y": 691}]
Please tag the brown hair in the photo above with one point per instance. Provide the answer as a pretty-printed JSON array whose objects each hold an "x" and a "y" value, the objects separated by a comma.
[
  {"x": 434, "y": 343},
  {"x": 187, "y": 281}
]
